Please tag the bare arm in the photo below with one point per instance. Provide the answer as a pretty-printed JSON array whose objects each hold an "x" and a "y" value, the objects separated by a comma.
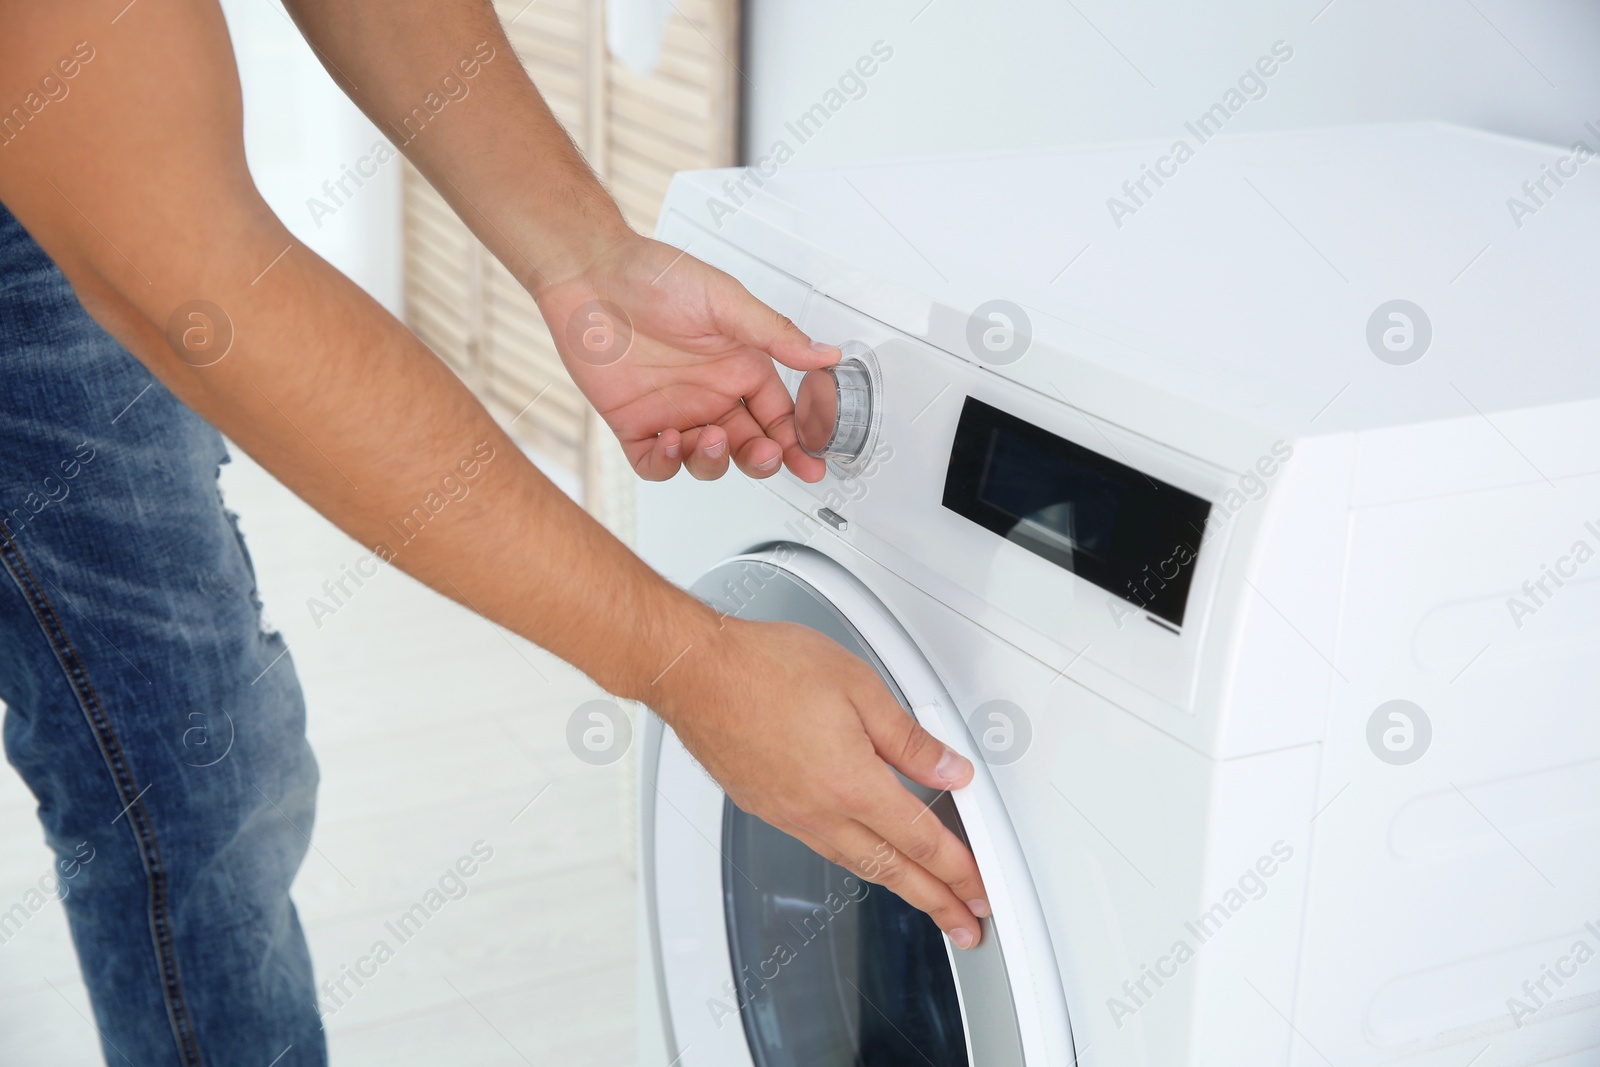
[
  {"x": 442, "y": 83},
  {"x": 135, "y": 183},
  {"x": 508, "y": 168}
]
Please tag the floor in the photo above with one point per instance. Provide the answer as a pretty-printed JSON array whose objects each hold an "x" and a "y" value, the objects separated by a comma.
[{"x": 434, "y": 731}]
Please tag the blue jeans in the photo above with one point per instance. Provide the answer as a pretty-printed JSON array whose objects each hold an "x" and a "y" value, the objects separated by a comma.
[{"x": 160, "y": 728}]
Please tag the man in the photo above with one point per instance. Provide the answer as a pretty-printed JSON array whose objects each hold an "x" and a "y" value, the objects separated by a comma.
[{"x": 147, "y": 294}]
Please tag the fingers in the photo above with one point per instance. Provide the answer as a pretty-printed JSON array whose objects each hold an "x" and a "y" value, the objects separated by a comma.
[
  {"x": 706, "y": 452},
  {"x": 741, "y": 437},
  {"x": 702, "y": 451},
  {"x": 905, "y": 822},
  {"x": 870, "y": 856},
  {"x": 773, "y": 409},
  {"x": 661, "y": 458},
  {"x": 916, "y": 832},
  {"x": 903, "y": 744},
  {"x": 755, "y": 455},
  {"x": 759, "y": 457},
  {"x": 742, "y": 316}
]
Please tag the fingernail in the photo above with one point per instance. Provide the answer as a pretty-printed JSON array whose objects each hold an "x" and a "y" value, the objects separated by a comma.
[
  {"x": 962, "y": 937},
  {"x": 950, "y": 766},
  {"x": 769, "y": 464},
  {"x": 980, "y": 908},
  {"x": 673, "y": 449},
  {"x": 821, "y": 346},
  {"x": 715, "y": 451}
]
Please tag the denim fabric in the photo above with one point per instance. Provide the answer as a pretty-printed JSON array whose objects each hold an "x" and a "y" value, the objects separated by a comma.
[{"x": 161, "y": 730}]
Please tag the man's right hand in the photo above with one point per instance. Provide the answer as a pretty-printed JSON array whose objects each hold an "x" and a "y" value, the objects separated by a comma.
[
  {"x": 804, "y": 735},
  {"x": 339, "y": 401},
  {"x": 689, "y": 377}
]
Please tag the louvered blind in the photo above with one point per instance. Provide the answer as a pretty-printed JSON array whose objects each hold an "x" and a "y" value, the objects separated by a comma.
[
  {"x": 439, "y": 253},
  {"x": 636, "y": 132},
  {"x": 682, "y": 117}
]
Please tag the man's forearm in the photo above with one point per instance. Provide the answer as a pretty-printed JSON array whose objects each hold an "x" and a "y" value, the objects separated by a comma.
[
  {"x": 441, "y": 81},
  {"x": 320, "y": 384},
  {"x": 360, "y": 419},
  {"x": 137, "y": 188}
]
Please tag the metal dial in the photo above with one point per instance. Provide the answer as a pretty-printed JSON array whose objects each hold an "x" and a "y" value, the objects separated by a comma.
[{"x": 835, "y": 407}]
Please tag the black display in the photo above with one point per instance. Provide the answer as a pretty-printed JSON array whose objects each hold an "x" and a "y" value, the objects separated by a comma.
[{"x": 1108, "y": 523}]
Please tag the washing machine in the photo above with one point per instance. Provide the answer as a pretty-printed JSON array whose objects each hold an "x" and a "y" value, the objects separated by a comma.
[{"x": 1234, "y": 504}]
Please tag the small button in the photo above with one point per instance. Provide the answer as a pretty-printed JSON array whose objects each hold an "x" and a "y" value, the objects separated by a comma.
[{"x": 833, "y": 518}]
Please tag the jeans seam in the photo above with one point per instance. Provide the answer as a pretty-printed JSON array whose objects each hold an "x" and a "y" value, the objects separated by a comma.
[{"x": 105, "y": 737}]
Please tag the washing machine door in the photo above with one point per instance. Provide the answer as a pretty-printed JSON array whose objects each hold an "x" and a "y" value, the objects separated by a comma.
[{"x": 767, "y": 955}]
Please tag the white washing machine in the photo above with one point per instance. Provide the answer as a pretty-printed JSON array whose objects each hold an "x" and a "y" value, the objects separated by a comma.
[{"x": 1240, "y": 515}]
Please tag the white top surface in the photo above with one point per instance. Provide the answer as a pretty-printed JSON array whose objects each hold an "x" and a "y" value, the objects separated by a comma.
[{"x": 1244, "y": 283}]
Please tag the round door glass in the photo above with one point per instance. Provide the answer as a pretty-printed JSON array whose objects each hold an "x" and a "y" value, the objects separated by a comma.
[{"x": 829, "y": 969}]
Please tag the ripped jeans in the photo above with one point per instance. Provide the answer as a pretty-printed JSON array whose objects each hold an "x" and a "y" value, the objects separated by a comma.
[{"x": 161, "y": 731}]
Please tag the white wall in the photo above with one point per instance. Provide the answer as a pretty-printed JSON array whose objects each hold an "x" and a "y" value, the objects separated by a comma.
[
  {"x": 301, "y": 131},
  {"x": 995, "y": 75}
]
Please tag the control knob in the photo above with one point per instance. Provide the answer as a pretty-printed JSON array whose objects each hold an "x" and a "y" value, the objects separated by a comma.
[{"x": 835, "y": 408}]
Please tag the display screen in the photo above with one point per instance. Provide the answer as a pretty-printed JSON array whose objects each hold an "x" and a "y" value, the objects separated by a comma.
[{"x": 1111, "y": 524}]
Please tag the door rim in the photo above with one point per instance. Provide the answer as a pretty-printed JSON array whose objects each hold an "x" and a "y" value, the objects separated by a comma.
[{"x": 1024, "y": 963}]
